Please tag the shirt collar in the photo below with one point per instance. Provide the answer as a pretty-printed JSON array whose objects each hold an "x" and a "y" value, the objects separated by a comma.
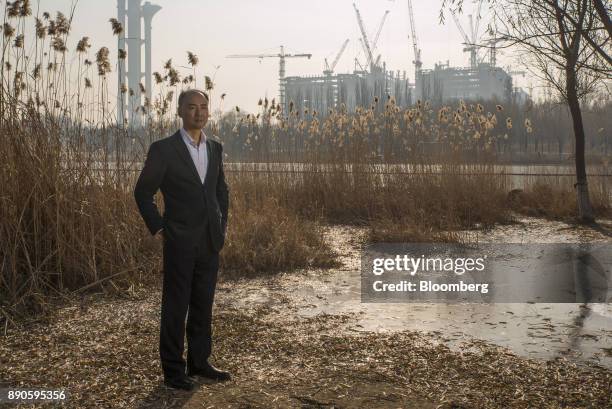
[{"x": 188, "y": 139}]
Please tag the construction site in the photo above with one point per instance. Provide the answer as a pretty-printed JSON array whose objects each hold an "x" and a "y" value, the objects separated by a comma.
[
  {"x": 372, "y": 79},
  {"x": 482, "y": 80}
]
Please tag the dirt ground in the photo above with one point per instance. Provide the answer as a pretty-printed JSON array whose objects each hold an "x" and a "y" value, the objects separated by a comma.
[{"x": 104, "y": 353}]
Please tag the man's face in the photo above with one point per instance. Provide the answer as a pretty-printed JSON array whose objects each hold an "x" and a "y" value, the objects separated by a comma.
[{"x": 194, "y": 111}]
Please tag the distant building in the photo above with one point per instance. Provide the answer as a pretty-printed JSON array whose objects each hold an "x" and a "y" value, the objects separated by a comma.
[
  {"x": 441, "y": 85},
  {"x": 445, "y": 83},
  {"x": 330, "y": 91}
]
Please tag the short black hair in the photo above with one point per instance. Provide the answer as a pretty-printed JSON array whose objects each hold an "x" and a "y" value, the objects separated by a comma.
[{"x": 184, "y": 93}]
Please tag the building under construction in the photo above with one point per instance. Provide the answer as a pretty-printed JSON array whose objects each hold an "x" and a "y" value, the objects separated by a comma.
[
  {"x": 439, "y": 85},
  {"x": 329, "y": 91},
  {"x": 445, "y": 83},
  {"x": 482, "y": 80}
]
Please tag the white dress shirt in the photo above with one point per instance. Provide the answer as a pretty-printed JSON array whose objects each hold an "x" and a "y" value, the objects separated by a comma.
[{"x": 197, "y": 152}]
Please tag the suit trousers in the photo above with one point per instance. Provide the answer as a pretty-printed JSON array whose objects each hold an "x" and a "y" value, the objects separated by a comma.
[{"x": 190, "y": 279}]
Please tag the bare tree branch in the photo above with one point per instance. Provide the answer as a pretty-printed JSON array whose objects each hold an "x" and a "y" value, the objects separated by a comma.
[
  {"x": 585, "y": 33},
  {"x": 603, "y": 15}
]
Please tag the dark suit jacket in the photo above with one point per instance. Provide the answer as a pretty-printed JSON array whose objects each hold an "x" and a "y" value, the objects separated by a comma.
[{"x": 190, "y": 206}]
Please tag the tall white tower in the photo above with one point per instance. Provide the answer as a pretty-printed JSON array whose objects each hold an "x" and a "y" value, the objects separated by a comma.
[
  {"x": 148, "y": 11},
  {"x": 136, "y": 14},
  {"x": 121, "y": 74},
  {"x": 134, "y": 41}
]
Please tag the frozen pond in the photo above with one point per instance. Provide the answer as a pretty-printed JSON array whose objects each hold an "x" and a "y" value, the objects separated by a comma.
[{"x": 579, "y": 332}]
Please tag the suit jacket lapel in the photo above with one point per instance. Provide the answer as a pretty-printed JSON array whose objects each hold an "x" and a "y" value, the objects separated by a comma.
[
  {"x": 208, "y": 164},
  {"x": 179, "y": 144}
]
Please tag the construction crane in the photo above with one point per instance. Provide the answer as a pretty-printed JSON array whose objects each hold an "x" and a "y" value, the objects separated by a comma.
[
  {"x": 362, "y": 41},
  {"x": 358, "y": 64},
  {"x": 281, "y": 69},
  {"x": 380, "y": 27},
  {"x": 478, "y": 18},
  {"x": 365, "y": 49},
  {"x": 470, "y": 43},
  {"x": 364, "y": 37},
  {"x": 492, "y": 44},
  {"x": 417, "y": 51},
  {"x": 330, "y": 69}
]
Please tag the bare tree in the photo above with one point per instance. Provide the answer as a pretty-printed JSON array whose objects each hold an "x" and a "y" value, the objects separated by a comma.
[{"x": 565, "y": 43}]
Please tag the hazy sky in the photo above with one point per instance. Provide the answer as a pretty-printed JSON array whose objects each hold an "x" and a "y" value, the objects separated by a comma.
[{"x": 214, "y": 29}]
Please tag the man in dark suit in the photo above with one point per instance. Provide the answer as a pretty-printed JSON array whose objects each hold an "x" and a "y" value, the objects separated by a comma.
[{"x": 188, "y": 169}]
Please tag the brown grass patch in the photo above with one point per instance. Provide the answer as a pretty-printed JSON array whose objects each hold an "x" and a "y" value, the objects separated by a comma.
[
  {"x": 558, "y": 200},
  {"x": 265, "y": 238}
]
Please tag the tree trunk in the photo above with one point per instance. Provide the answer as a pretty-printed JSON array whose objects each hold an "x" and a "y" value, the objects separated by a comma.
[{"x": 585, "y": 210}]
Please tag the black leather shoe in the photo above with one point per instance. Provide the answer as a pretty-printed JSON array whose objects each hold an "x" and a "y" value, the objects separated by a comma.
[
  {"x": 183, "y": 383},
  {"x": 210, "y": 372}
]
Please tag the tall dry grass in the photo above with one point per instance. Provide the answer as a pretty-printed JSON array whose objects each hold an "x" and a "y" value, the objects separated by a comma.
[
  {"x": 63, "y": 224},
  {"x": 68, "y": 222},
  {"x": 427, "y": 169},
  {"x": 267, "y": 237},
  {"x": 537, "y": 133},
  {"x": 555, "y": 199},
  {"x": 67, "y": 218}
]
